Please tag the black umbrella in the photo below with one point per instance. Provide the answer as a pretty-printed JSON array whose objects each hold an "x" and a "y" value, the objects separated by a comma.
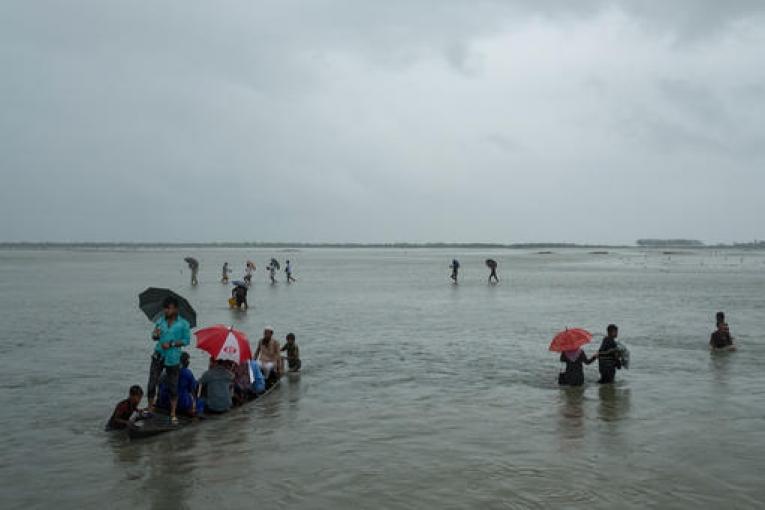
[
  {"x": 491, "y": 263},
  {"x": 150, "y": 302},
  {"x": 192, "y": 262},
  {"x": 275, "y": 263}
]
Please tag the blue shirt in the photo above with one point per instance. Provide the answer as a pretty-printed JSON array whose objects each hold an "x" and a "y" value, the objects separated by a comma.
[
  {"x": 178, "y": 332},
  {"x": 259, "y": 382},
  {"x": 187, "y": 388}
]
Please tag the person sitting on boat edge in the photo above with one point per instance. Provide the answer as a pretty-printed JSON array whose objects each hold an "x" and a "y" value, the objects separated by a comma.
[
  {"x": 187, "y": 388},
  {"x": 171, "y": 333},
  {"x": 293, "y": 353},
  {"x": 125, "y": 410},
  {"x": 268, "y": 355},
  {"x": 573, "y": 375},
  {"x": 608, "y": 356},
  {"x": 217, "y": 385},
  {"x": 721, "y": 339}
]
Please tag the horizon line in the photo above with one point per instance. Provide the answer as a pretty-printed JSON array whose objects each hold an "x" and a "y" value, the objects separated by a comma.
[{"x": 640, "y": 243}]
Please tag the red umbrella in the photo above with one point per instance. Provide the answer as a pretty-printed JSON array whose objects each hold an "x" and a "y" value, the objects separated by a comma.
[
  {"x": 570, "y": 339},
  {"x": 223, "y": 342}
]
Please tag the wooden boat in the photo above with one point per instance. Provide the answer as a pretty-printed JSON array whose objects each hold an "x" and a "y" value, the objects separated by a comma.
[{"x": 159, "y": 421}]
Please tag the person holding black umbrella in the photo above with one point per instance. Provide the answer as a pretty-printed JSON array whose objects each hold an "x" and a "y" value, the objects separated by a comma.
[
  {"x": 194, "y": 267},
  {"x": 492, "y": 265},
  {"x": 171, "y": 333}
]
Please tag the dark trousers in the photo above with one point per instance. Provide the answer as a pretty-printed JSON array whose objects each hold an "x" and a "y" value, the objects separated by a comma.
[
  {"x": 155, "y": 371},
  {"x": 607, "y": 375}
]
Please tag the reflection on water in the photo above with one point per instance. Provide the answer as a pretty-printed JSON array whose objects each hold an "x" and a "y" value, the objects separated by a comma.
[
  {"x": 614, "y": 403},
  {"x": 571, "y": 416},
  {"x": 415, "y": 393}
]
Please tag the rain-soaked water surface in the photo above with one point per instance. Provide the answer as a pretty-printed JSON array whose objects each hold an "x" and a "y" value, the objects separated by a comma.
[{"x": 415, "y": 393}]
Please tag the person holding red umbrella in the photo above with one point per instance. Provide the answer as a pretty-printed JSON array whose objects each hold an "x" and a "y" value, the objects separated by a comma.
[
  {"x": 569, "y": 343},
  {"x": 228, "y": 348}
]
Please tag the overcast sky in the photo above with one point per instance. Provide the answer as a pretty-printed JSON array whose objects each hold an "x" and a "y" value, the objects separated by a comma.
[{"x": 432, "y": 120}]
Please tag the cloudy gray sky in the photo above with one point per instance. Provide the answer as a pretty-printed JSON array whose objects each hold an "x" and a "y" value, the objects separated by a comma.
[{"x": 431, "y": 120}]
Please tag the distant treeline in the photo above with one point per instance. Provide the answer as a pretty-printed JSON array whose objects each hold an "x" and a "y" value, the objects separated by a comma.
[
  {"x": 669, "y": 243},
  {"x": 285, "y": 245},
  {"x": 642, "y": 243}
]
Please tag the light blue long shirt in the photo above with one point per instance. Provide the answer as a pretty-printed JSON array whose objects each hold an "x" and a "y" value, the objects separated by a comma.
[{"x": 178, "y": 332}]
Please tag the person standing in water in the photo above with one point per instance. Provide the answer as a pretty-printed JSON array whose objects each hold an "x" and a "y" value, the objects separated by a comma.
[
  {"x": 224, "y": 273},
  {"x": 455, "y": 267},
  {"x": 194, "y": 267},
  {"x": 573, "y": 375},
  {"x": 492, "y": 265},
  {"x": 272, "y": 267},
  {"x": 608, "y": 356},
  {"x": 288, "y": 271},
  {"x": 249, "y": 268},
  {"x": 721, "y": 339}
]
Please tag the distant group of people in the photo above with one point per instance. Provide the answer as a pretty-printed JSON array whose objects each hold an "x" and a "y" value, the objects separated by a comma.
[
  {"x": 173, "y": 387},
  {"x": 249, "y": 269},
  {"x": 490, "y": 263}
]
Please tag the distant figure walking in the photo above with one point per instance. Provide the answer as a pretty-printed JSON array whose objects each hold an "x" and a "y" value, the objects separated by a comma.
[
  {"x": 249, "y": 268},
  {"x": 224, "y": 273},
  {"x": 492, "y": 264},
  {"x": 194, "y": 267},
  {"x": 272, "y": 268},
  {"x": 455, "y": 267},
  {"x": 288, "y": 271}
]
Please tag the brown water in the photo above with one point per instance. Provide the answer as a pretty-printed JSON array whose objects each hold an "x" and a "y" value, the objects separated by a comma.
[{"x": 415, "y": 394}]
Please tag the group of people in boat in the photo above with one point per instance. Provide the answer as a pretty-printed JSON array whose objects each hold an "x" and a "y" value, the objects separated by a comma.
[
  {"x": 612, "y": 355},
  {"x": 173, "y": 387}
]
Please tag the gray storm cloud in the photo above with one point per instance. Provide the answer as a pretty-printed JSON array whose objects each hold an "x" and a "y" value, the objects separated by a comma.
[{"x": 382, "y": 121}]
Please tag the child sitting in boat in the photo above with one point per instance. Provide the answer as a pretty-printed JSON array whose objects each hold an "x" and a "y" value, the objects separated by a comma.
[
  {"x": 126, "y": 411},
  {"x": 293, "y": 353}
]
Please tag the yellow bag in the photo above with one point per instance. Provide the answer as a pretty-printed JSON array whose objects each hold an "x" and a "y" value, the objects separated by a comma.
[{"x": 232, "y": 302}]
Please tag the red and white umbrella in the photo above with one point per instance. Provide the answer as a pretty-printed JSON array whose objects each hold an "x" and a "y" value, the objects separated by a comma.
[{"x": 224, "y": 343}]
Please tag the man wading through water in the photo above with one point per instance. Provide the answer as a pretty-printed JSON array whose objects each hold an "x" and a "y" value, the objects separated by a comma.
[
  {"x": 608, "y": 356},
  {"x": 171, "y": 333}
]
